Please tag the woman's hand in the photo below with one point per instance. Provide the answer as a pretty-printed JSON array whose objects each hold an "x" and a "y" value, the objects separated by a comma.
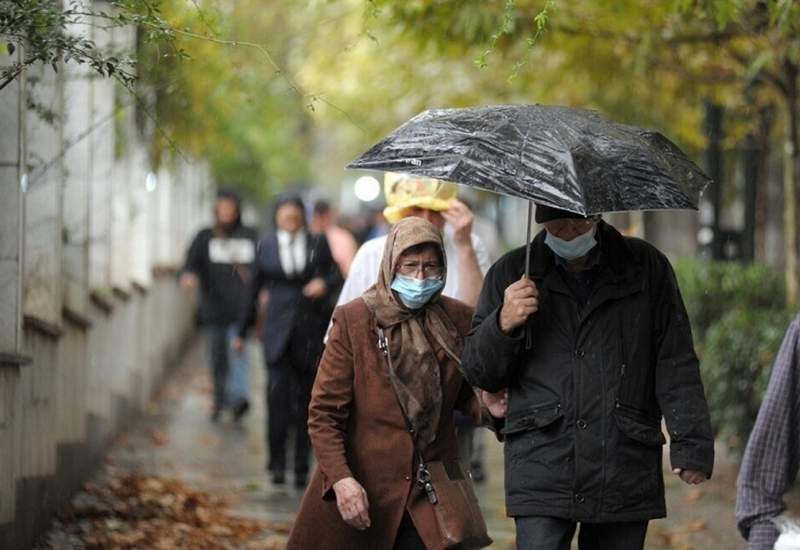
[
  {"x": 351, "y": 499},
  {"x": 497, "y": 403},
  {"x": 316, "y": 288}
]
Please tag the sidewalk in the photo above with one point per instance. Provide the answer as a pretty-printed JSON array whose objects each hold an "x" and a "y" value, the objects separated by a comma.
[{"x": 216, "y": 473}]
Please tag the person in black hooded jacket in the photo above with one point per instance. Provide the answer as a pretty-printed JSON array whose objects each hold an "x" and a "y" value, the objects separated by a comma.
[
  {"x": 218, "y": 263},
  {"x": 608, "y": 354},
  {"x": 297, "y": 270}
]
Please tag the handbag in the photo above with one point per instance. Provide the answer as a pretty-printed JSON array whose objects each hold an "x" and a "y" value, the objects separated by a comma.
[{"x": 448, "y": 489}]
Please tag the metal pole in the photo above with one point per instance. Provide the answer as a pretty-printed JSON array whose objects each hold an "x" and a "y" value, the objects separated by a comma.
[
  {"x": 528, "y": 241},
  {"x": 528, "y": 332}
]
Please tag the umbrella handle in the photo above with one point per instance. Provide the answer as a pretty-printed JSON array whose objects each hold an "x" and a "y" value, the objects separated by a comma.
[{"x": 528, "y": 331}]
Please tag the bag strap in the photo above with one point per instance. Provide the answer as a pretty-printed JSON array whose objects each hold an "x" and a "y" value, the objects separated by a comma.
[
  {"x": 423, "y": 475},
  {"x": 383, "y": 347}
]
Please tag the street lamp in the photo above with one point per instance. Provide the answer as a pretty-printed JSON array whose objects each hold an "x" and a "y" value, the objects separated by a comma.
[{"x": 367, "y": 188}]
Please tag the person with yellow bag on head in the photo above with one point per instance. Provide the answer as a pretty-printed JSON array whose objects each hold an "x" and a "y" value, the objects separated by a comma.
[{"x": 433, "y": 200}]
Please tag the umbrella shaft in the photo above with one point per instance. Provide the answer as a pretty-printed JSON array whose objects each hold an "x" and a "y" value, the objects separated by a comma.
[
  {"x": 528, "y": 333},
  {"x": 528, "y": 241}
]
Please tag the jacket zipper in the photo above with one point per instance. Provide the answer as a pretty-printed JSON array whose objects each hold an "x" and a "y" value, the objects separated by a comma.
[{"x": 578, "y": 384}]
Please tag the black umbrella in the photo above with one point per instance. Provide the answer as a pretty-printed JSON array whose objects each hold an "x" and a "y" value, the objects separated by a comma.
[{"x": 571, "y": 159}]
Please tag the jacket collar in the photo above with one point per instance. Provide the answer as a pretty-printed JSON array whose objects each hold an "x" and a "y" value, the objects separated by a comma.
[{"x": 619, "y": 273}]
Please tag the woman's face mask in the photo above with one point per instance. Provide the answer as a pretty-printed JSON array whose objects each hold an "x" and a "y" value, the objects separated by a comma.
[
  {"x": 415, "y": 293},
  {"x": 575, "y": 248},
  {"x": 418, "y": 278}
]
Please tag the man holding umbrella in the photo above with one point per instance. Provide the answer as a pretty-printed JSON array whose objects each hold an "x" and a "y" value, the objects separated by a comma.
[
  {"x": 611, "y": 353},
  {"x": 584, "y": 328}
]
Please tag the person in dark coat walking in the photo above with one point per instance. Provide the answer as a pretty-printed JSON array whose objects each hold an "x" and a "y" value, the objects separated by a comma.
[
  {"x": 611, "y": 354},
  {"x": 298, "y": 272},
  {"x": 218, "y": 263}
]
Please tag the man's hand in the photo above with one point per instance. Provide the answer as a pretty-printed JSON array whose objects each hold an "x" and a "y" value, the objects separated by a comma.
[
  {"x": 692, "y": 477},
  {"x": 351, "y": 499},
  {"x": 520, "y": 300},
  {"x": 189, "y": 280},
  {"x": 316, "y": 288},
  {"x": 497, "y": 403},
  {"x": 460, "y": 217}
]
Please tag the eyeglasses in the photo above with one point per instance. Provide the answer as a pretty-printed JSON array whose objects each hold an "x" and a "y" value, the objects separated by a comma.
[{"x": 429, "y": 269}]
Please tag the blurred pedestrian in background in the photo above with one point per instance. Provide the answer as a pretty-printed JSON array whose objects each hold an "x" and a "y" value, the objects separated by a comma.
[
  {"x": 363, "y": 493},
  {"x": 296, "y": 268},
  {"x": 772, "y": 456},
  {"x": 377, "y": 225},
  {"x": 218, "y": 263},
  {"x": 343, "y": 244}
]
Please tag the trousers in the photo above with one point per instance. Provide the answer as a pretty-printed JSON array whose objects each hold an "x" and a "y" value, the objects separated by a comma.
[
  {"x": 547, "y": 533},
  {"x": 288, "y": 393},
  {"x": 228, "y": 368}
]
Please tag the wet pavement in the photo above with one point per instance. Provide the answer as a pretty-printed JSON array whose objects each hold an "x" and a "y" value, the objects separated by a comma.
[{"x": 176, "y": 440}]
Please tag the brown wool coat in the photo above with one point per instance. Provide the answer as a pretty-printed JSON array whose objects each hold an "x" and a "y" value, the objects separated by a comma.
[{"x": 357, "y": 430}]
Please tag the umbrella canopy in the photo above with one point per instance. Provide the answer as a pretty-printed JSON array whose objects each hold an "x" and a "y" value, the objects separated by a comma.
[{"x": 572, "y": 159}]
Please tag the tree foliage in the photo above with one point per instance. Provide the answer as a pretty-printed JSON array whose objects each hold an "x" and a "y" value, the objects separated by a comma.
[
  {"x": 274, "y": 92},
  {"x": 45, "y": 32}
]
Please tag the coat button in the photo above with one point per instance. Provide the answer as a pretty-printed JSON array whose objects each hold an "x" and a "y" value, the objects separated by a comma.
[
  {"x": 411, "y": 430},
  {"x": 579, "y": 498},
  {"x": 579, "y": 353},
  {"x": 407, "y": 478},
  {"x": 582, "y": 424}
]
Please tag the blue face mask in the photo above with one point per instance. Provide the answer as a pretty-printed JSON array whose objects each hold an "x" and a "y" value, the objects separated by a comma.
[
  {"x": 415, "y": 293},
  {"x": 574, "y": 249}
]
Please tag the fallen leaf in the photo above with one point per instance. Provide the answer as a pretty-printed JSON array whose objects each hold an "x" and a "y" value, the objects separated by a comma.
[
  {"x": 159, "y": 438},
  {"x": 694, "y": 495},
  {"x": 696, "y": 526},
  {"x": 279, "y": 526},
  {"x": 208, "y": 440}
]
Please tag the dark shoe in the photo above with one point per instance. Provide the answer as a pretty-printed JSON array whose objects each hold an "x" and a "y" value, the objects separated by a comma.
[
  {"x": 300, "y": 481},
  {"x": 278, "y": 478},
  {"x": 478, "y": 475},
  {"x": 240, "y": 410}
]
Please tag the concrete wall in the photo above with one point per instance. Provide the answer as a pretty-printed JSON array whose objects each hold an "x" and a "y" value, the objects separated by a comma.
[{"x": 90, "y": 314}]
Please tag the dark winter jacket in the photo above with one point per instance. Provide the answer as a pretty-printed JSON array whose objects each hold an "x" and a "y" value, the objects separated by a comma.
[
  {"x": 221, "y": 260},
  {"x": 583, "y": 430},
  {"x": 288, "y": 310}
]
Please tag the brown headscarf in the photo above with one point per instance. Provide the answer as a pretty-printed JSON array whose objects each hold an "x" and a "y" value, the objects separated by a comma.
[{"x": 414, "y": 370}]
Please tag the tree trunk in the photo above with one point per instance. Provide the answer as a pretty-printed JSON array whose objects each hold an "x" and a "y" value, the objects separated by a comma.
[
  {"x": 763, "y": 206},
  {"x": 791, "y": 177}
]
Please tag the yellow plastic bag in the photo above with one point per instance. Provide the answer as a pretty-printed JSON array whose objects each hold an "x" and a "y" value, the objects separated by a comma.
[{"x": 404, "y": 191}]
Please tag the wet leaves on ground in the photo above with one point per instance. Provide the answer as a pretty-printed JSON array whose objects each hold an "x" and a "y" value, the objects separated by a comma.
[{"x": 141, "y": 511}]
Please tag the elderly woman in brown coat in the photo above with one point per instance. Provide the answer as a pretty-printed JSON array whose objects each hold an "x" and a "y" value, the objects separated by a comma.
[{"x": 363, "y": 494}]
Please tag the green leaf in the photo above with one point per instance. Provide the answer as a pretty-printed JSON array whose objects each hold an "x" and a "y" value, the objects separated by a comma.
[{"x": 758, "y": 64}]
